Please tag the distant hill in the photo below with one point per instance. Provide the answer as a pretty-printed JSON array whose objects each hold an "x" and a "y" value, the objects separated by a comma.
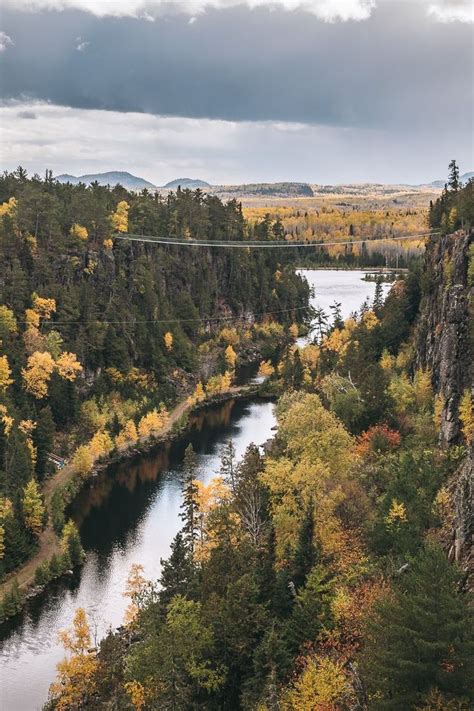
[
  {"x": 463, "y": 178},
  {"x": 190, "y": 183},
  {"x": 266, "y": 189},
  {"x": 127, "y": 180}
]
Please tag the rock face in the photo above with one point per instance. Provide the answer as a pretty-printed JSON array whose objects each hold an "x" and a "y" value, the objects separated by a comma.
[
  {"x": 463, "y": 518},
  {"x": 444, "y": 344},
  {"x": 443, "y": 339}
]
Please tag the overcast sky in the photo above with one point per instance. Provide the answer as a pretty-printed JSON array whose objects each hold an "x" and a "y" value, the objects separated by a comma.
[{"x": 325, "y": 91}]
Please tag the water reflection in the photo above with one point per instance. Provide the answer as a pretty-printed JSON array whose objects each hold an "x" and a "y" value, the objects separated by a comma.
[{"x": 128, "y": 514}]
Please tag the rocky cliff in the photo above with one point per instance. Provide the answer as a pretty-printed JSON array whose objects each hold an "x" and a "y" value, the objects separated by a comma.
[
  {"x": 444, "y": 341},
  {"x": 444, "y": 345}
]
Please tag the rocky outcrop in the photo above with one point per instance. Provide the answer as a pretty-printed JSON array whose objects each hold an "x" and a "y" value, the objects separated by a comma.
[
  {"x": 444, "y": 345},
  {"x": 462, "y": 536},
  {"x": 443, "y": 338}
]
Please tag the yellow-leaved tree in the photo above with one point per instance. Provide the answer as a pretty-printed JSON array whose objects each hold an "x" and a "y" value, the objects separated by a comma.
[
  {"x": 43, "y": 307},
  {"x": 136, "y": 586},
  {"x": 293, "y": 330},
  {"x": 136, "y": 692},
  {"x": 119, "y": 218},
  {"x": 466, "y": 416},
  {"x": 8, "y": 208},
  {"x": 198, "y": 395},
  {"x": 127, "y": 436},
  {"x": 151, "y": 423},
  {"x": 266, "y": 369},
  {"x": 323, "y": 686},
  {"x": 68, "y": 366},
  {"x": 318, "y": 454},
  {"x": 33, "y": 508},
  {"x": 83, "y": 460},
  {"x": 79, "y": 231},
  {"x": 397, "y": 513},
  {"x": 100, "y": 445},
  {"x": 208, "y": 497},
  {"x": 6, "y": 510},
  {"x": 168, "y": 339},
  {"x": 7, "y": 321},
  {"x": 229, "y": 336},
  {"x": 75, "y": 679},
  {"x": 37, "y": 374},
  {"x": 5, "y": 373},
  {"x": 230, "y": 357}
]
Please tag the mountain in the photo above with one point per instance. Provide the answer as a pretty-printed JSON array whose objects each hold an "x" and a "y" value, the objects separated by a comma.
[
  {"x": 127, "y": 180},
  {"x": 190, "y": 183},
  {"x": 463, "y": 178}
]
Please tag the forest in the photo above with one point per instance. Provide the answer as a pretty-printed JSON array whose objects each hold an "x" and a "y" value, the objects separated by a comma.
[
  {"x": 99, "y": 338},
  {"x": 312, "y": 574}
]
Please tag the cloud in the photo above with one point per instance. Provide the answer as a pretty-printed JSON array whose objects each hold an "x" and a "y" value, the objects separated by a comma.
[
  {"x": 81, "y": 45},
  {"x": 452, "y": 10},
  {"x": 327, "y": 10},
  {"x": 384, "y": 72},
  {"x": 27, "y": 115},
  {"x": 161, "y": 148},
  {"x": 5, "y": 41}
]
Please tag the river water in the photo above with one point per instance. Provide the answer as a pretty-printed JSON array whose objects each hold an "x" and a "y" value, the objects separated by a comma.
[{"x": 130, "y": 515}]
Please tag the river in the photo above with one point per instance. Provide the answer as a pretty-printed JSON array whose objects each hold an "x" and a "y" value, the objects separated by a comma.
[{"x": 130, "y": 515}]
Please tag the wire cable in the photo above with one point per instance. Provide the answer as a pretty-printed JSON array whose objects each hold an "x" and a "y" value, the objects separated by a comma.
[
  {"x": 252, "y": 244},
  {"x": 167, "y": 320}
]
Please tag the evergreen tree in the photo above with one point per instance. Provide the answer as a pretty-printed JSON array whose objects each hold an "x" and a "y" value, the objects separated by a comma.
[
  {"x": 306, "y": 552},
  {"x": 271, "y": 663},
  {"x": 227, "y": 470},
  {"x": 453, "y": 181},
  {"x": 250, "y": 495},
  {"x": 71, "y": 543},
  {"x": 284, "y": 591},
  {"x": 43, "y": 437},
  {"x": 337, "y": 320},
  {"x": 377, "y": 303},
  {"x": 298, "y": 371},
  {"x": 312, "y": 609},
  {"x": 421, "y": 637},
  {"x": 189, "y": 507},
  {"x": 177, "y": 571}
]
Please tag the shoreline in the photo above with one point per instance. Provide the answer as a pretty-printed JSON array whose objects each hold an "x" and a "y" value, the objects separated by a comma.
[{"x": 49, "y": 543}]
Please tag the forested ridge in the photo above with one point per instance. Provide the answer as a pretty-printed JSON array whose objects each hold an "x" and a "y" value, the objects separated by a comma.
[
  {"x": 312, "y": 575},
  {"x": 100, "y": 337}
]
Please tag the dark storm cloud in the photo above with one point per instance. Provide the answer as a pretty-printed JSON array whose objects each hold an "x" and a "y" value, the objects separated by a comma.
[{"x": 397, "y": 69}]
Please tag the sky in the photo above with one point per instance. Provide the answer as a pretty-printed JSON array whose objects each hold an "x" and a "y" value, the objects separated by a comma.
[{"x": 233, "y": 91}]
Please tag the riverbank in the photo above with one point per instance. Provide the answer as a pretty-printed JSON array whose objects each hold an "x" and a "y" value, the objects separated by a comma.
[{"x": 49, "y": 542}]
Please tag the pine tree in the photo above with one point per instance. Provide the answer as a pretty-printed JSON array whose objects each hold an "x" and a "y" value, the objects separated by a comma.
[
  {"x": 377, "y": 303},
  {"x": 249, "y": 498},
  {"x": 421, "y": 637},
  {"x": 71, "y": 543},
  {"x": 312, "y": 609},
  {"x": 298, "y": 371},
  {"x": 337, "y": 320},
  {"x": 271, "y": 663},
  {"x": 177, "y": 571},
  {"x": 33, "y": 509},
  {"x": 227, "y": 470},
  {"x": 306, "y": 552},
  {"x": 189, "y": 506},
  {"x": 453, "y": 181},
  {"x": 43, "y": 437}
]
